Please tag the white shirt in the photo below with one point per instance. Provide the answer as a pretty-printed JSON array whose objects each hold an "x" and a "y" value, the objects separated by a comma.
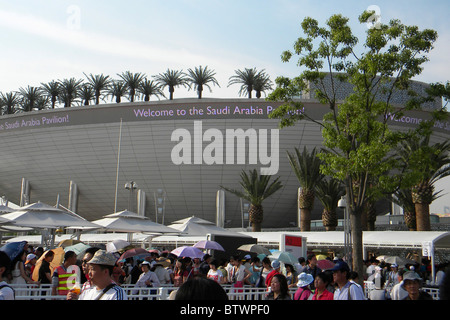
[
  {"x": 114, "y": 293},
  {"x": 356, "y": 293},
  {"x": 398, "y": 293},
  {"x": 6, "y": 293},
  {"x": 217, "y": 275},
  {"x": 148, "y": 276}
]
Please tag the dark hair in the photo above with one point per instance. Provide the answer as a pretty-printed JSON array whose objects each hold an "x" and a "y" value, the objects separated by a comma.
[
  {"x": 325, "y": 277},
  {"x": 92, "y": 250},
  {"x": 201, "y": 288},
  {"x": 49, "y": 253},
  {"x": 301, "y": 260},
  {"x": 255, "y": 259},
  {"x": 310, "y": 256},
  {"x": 266, "y": 260},
  {"x": 214, "y": 262},
  {"x": 284, "y": 289},
  {"x": 5, "y": 262},
  {"x": 69, "y": 254}
]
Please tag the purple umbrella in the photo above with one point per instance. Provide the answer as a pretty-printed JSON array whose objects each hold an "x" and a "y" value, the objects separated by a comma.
[
  {"x": 208, "y": 244},
  {"x": 190, "y": 252}
]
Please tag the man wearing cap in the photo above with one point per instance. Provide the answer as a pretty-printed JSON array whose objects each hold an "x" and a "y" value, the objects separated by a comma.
[
  {"x": 276, "y": 270},
  {"x": 412, "y": 283},
  {"x": 346, "y": 290},
  {"x": 100, "y": 269},
  {"x": 30, "y": 263}
]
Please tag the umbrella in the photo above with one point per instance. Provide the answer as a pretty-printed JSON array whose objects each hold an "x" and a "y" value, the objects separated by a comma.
[
  {"x": 134, "y": 252},
  {"x": 208, "y": 244},
  {"x": 116, "y": 245},
  {"x": 190, "y": 252},
  {"x": 68, "y": 242},
  {"x": 325, "y": 264},
  {"x": 41, "y": 215},
  {"x": 284, "y": 256},
  {"x": 58, "y": 259},
  {"x": 127, "y": 221},
  {"x": 398, "y": 260},
  {"x": 254, "y": 248},
  {"x": 13, "y": 249},
  {"x": 77, "y": 248},
  {"x": 321, "y": 257}
]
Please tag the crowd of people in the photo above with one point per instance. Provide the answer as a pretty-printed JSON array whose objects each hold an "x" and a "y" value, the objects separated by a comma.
[{"x": 99, "y": 275}]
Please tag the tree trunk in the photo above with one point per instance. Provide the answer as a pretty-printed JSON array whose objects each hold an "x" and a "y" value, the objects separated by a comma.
[
  {"x": 357, "y": 244},
  {"x": 305, "y": 219},
  {"x": 423, "y": 217}
]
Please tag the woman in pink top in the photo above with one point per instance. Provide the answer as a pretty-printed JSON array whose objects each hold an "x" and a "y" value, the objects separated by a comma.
[{"x": 321, "y": 282}]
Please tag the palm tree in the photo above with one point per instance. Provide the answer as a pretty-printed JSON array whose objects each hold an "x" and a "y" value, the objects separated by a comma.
[
  {"x": 246, "y": 79},
  {"x": 52, "y": 91},
  {"x": 403, "y": 197},
  {"x": 117, "y": 89},
  {"x": 132, "y": 81},
  {"x": 306, "y": 167},
  {"x": 171, "y": 79},
  {"x": 256, "y": 189},
  {"x": 428, "y": 164},
  {"x": 87, "y": 94},
  {"x": 99, "y": 83},
  {"x": 70, "y": 90},
  {"x": 8, "y": 102},
  {"x": 201, "y": 77},
  {"x": 329, "y": 191},
  {"x": 148, "y": 88},
  {"x": 262, "y": 83},
  {"x": 30, "y": 96}
]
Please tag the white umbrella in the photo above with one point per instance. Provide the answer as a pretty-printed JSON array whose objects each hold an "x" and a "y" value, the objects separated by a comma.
[
  {"x": 127, "y": 221},
  {"x": 41, "y": 215},
  {"x": 116, "y": 245}
]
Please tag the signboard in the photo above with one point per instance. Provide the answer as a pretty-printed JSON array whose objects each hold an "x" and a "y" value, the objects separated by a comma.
[
  {"x": 296, "y": 245},
  {"x": 427, "y": 249}
]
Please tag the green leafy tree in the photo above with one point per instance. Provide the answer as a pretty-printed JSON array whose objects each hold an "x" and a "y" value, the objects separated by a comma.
[
  {"x": 69, "y": 91},
  {"x": 150, "y": 88},
  {"x": 256, "y": 188},
  {"x": 171, "y": 79},
  {"x": 30, "y": 96},
  {"x": 262, "y": 83},
  {"x": 355, "y": 132},
  {"x": 200, "y": 78},
  {"x": 117, "y": 90},
  {"x": 329, "y": 191},
  {"x": 306, "y": 166},
  {"x": 87, "y": 94},
  {"x": 9, "y": 102}
]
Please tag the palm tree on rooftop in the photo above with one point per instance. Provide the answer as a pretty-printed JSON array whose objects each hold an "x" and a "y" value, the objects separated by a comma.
[
  {"x": 132, "y": 81},
  {"x": 117, "y": 89},
  {"x": 246, "y": 78},
  {"x": 51, "y": 90},
  {"x": 87, "y": 94},
  {"x": 99, "y": 84},
  {"x": 70, "y": 90},
  {"x": 256, "y": 189},
  {"x": 171, "y": 79},
  {"x": 8, "y": 102},
  {"x": 150, "y": 88},
  {"x": 30, "y": 96},
  {"x": 262, "y": 83},
  {"x": 200, "y": 77}
]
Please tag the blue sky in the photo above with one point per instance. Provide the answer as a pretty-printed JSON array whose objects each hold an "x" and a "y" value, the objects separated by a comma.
[
  {"x": 44, "y": 40},
  {"x": 56, "y": 39}
]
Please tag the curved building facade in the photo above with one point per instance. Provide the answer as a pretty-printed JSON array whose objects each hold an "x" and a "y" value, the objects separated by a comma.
[{"x": 177, "y": 152}]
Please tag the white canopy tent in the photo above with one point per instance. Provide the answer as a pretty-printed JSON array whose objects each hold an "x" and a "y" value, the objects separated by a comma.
[{"x": 194, "y": 226}]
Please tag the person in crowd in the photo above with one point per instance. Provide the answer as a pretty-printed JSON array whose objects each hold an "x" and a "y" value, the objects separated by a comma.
[
  {"x": 345, "y": 289},
  {"x": 222, "y": 268},
  {"x": 440, "y": 273},
  {"x": 276, "y": 266},
  {"x": 6, "y": 292},
  {"x": 397, "y": 291},
  {"x": 204, "y": 266},
  {"x": 412, "y": 283},
  {"x": 45, "y": 274},
  {"x": 160, "y": 269},
  {"x": 180, "y": 273},
  {"x": 304, "y": 290},
  {"x": 238, "y": 273},
  {"x": 214, "y": 273},
  {"x": 444, "y": 287},
  {"x": 246, "y": 261},
  {"x": 66, "y": 275},
  {"x": 301, "y": 265},
  {"x": 392, "y": 277},
  {"x": 278, "y": 288},
  {"x": 147, "y": 278},
  {"x": 379, "y": 293},
  {"x": 195, "y": 269},
  {"x": 266, "y": 269},
  {"x": 19, "y": 274},
  {"x": 88, "y": 255},
  {"x": 373, "y": 262},
  {"x": 312, "y": 267},
  {"x": 255, "y": 269},
  {"x": 291, "y": 276},
  {"x": 30, "y": 264},
  {"x": 353, "y": 277},
  {"x": 200, "y": 288},
  {"x": 321, "y": 283},
  {"x": 100, "y": 269},
  {"x": 39, "y": 252}
]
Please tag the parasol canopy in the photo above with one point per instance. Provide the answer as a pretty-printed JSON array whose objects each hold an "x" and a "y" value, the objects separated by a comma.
[
  {"x": 208, "y": 244},
  {"x": 255, "y": 248},
  {"x": 58, "y": 259},
  {"x": 135, "y": 252},
  {"x": 13, "y": 249},
  {"x": 284, "y": 256},
  {"x": 325, "y": 264},
  {"x": 190, "y": 252},
  {"x": 116, "y": 245}
]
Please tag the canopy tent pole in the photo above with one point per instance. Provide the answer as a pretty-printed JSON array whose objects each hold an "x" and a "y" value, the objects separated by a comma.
[{"x": 118, "y": 165}]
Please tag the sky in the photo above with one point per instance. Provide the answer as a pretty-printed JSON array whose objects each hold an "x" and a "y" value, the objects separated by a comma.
[{"x": 45, "y": 40}]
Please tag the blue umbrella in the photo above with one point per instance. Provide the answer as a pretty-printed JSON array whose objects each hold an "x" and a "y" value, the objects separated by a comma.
[{"x": 13, "y": 249}]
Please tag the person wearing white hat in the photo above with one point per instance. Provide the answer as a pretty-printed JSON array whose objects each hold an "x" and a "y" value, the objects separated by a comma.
[
  {"x": 304, "y": 292},
  {"x": 412, "y": 283},
  {"x": 100, "y": 269},
  {"x": 147, "y": 278}
]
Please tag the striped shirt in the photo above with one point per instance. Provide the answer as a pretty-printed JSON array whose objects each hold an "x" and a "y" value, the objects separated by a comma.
[{"x": 93, "y": 293}]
